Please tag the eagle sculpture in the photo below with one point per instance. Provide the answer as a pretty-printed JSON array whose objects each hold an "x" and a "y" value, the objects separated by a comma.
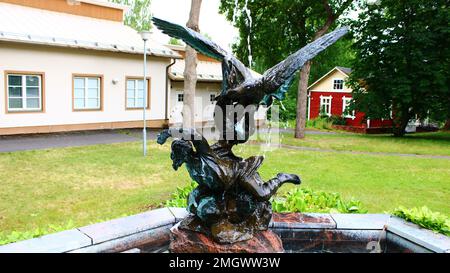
[{"x": 232, "y": 202}]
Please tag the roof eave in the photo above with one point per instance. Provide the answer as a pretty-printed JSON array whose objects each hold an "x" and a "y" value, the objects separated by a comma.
[
  {"x": 112, "y": 49},
  {"x": 324, "y": 76}
]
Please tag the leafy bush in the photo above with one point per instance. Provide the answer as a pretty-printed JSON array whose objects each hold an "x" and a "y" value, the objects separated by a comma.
[
  {"x": 296, "y": 200},
  {"x": 179, "y": 197},
  {"x": 425, "y": 218},
  {"x": 16, "y": 236},
  {"x": 319, "y": 123},
  {"x": 337, "y": 120},
  {"x": 307, "y": 200}
]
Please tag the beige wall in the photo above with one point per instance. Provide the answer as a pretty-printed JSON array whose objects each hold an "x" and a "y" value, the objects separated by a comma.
[
  {"x": 202, "y": 101},
  {"x": 326, "y": 84},
  {"x": 59, "y": 64},
  {"x": 204, "y": 109}
]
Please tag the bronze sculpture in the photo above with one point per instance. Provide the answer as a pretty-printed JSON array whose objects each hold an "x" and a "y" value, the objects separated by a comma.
[{"x": 231, "y": 202}]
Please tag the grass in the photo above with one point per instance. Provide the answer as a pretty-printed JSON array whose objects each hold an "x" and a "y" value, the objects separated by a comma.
[
  {"x": 82, "y": 184},
  {"x": 85, "y": 185},
  {"x": 381, "y": 183},
  {"x": 437, "y": 143}
]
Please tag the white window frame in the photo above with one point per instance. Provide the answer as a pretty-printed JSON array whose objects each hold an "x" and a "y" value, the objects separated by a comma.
[
  {"x": 211, "y": 94},
  {"x": 322, "y": 103},
  {"x": 334, "y": 83},
  {"x": 136, "y": 89},
  {"x": 24, "y": 96},
  {"x": 345, "y": 103},
  {"x": 86, "y": 90},
  {"x": 178, "y": 96}
]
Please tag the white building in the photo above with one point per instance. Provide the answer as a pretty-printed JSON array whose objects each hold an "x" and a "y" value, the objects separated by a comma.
[
  {"x": 209, "y": 84},
  {"x": 73, "y": 65}
]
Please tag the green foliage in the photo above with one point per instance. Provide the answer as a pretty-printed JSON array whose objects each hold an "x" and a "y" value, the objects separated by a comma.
[
  {"x": 175, "y": 41},
  {"x": 319, "y": 123},
  {"x": 426, "y": 218},
  {"x": 139, "y": 15},
  {"x": 337, "y": 120},
  {"x": 180, "y": 196},
  {"x": 280, "y": 28},
  {"x": 307, "y": 200},
  {"x": 402, "y": 60},
  {"x": 325, "y": 122},
  {"x": 16, "y": 236},
  {"x": 297, "y": 200}
]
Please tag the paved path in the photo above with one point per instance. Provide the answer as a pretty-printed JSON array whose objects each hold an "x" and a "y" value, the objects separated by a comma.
[
  {"x": 74, "y": 139},
  {"x": 48, "y": 141},
  {"x": 37, "y": 142}
]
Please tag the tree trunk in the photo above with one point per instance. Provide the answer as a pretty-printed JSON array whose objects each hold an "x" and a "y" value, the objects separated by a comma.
[
  {"x": 302, "y": 98},
  {"x": 447, "y": 125},
  {"x": 190, "y": 70},
  {"x": 302, "y": 95},
  {"x": 400, "y": 125}
]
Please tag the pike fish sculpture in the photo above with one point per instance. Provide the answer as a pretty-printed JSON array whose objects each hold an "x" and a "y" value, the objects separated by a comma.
[{"x": 232, "y": 202}]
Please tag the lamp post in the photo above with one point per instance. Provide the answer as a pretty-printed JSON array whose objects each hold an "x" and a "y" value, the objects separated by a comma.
[{"x": 145, "y": 37}]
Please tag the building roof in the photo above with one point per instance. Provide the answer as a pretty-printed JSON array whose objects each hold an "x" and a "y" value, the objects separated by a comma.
[
  {"x": 37, "y": 26},
  {"x": 345, "y": 70},
  {"x": 208, "y": 70}
]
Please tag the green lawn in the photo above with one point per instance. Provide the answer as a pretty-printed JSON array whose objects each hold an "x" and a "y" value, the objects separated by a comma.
[
  {"x": 423, "y": 144},
  {"x": 95, "y": 183}
]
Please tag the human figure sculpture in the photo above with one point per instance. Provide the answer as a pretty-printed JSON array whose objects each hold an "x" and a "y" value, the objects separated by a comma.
[{"x": 231, "y": 201}]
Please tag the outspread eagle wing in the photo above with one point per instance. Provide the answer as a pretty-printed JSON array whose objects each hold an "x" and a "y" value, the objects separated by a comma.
[
  {"x": 278, "y": 78},
  {"x": 234, "y": 72}
]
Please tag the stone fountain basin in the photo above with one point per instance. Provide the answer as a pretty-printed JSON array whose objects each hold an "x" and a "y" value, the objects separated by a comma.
[{"x": 149, "y": 232}]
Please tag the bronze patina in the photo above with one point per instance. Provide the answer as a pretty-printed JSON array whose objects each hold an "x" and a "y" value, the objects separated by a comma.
[{"x": 231, "y": 201}]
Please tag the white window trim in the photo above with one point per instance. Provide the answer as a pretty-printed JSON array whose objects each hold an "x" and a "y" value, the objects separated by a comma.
[
  {"x": 86, "y": 98},
  {"x": 322, "y": 98},
  {"x": 24, "y": 93},
  {"x": 145, "y": 98},
  {"x": 212, "y": 94},
  {"x": 176, "y": 97},
  {"x": 344, "y": 105},
  {"x": 343, "y": 83}
]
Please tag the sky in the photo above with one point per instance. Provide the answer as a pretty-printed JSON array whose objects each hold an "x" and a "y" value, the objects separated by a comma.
[{"x": 211, "y": 22}]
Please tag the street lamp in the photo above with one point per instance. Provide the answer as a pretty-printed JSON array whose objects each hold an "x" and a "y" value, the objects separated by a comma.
[{"x": 145, "y": 37}]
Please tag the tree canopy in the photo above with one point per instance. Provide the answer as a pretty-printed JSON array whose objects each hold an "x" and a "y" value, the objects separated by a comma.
[
  {"x": 402, "y": 60},
  {"x": 139, "y": 15},
  {"x": 279, "y": 28}
]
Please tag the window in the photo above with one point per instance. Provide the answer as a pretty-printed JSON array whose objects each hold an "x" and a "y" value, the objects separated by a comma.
[
  {"x": 338, "y": 84},
  {"x": 212, "y": 97},
  {"x": 180, "y": 97},
  {"x": 135, "y": 93},
  {"x": 24, "y": 92},
  {"x": 346, "y": 113},
  {"x": 87, "y": 93},
  {"x": 325, "y": 105}
]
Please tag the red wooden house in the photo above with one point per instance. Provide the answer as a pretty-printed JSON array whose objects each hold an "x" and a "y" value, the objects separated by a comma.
[{"x": 332, "y": 96}]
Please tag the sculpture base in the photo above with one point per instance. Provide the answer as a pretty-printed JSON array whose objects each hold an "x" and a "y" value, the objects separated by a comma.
[{"x": 186, "y": 241}]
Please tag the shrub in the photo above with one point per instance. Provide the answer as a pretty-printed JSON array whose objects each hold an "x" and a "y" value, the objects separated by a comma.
[
  {"x": 180, "y": 196},
  {"x": 16, "y": 236},
  {"x": 425, "y": 218},
  {"x": 337, "y": 120},
  {"x": 319, "y": 123},
  {"x": 297, "y": 200},
  {"x": 307, "y": 200}
]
